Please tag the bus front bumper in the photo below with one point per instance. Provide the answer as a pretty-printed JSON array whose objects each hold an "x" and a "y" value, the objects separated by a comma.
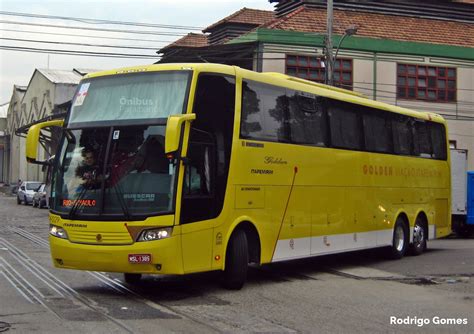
[{"x": 165, "y": 256}]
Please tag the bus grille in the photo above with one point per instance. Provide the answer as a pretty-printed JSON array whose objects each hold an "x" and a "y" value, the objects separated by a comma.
[{"x": 100, "y": 238}]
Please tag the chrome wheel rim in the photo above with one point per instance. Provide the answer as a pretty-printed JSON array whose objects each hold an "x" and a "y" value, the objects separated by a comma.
[
  {"x": 418, "y": 236},
  {"x": 399, "y": 238}
]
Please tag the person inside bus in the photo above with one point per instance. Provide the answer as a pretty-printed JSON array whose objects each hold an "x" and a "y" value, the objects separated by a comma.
[{"x": 88, "y": 170}]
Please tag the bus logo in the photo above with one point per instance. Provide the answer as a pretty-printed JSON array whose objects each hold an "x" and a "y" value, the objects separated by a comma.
[{"x": 98, "y": 237}]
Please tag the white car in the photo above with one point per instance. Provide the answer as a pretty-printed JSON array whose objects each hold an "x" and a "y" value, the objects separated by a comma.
[{"x": 26, "y": 191}]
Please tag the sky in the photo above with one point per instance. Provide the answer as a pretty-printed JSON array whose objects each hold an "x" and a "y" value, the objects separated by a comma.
[{"x": 17, "y": 67}]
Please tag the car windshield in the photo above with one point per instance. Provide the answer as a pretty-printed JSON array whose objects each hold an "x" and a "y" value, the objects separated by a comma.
[
  {"x": 32, "y": 185},
  {"x": 114, "y": 171}
]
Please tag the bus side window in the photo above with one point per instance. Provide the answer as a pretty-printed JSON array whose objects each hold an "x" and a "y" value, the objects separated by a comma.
[
  {"x": 377, "y": 132},
  {"x": 264, "y": 112},
  {"x": 307, "y": 119},
  {"x": 345, "y": 126},
  {"x": 402, "y": 135},
  {"x": 422, "y": 140},
  {"x": 438, "y": 139},
  {"x": 199, "y": 172}
]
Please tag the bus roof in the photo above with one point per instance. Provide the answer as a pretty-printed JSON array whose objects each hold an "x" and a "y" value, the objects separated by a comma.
[{"x": 278, "y": 79}]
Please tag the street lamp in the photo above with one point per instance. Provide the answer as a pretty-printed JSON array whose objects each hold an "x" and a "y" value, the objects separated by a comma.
[{"x": 351, "y": 30}]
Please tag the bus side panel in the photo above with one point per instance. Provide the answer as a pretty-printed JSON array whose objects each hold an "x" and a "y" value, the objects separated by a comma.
[{"x": 296, "y": 227}]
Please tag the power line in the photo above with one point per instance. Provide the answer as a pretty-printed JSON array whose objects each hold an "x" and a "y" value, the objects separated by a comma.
[
  {"x": 78, "y": 44},
  {"x": 100, "y": 21},
  {"x": 88, "y": 36},
  {"x": 394, "y": 94},
  {"x": 162, "y": 33},
  {"x": 78, "y": 53}
]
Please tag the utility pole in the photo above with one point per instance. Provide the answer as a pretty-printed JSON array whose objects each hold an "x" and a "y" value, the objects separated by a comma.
[{"x": 329, "y": 55}]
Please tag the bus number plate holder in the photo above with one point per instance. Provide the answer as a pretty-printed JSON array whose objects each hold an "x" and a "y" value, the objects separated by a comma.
[{"x": 139, "y": 258}]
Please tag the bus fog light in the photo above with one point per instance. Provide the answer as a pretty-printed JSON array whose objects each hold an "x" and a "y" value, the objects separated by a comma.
[
  {"x": 57, "y": 231},
  {"x": 155, "y": 234}
]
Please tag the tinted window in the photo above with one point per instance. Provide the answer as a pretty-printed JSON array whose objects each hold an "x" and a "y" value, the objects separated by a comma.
[
  {"x": 402, "y": 135},
  {"x": 344, "y": 123},
  {"x": 422, "y": 139},
  {"x": 377, "y": 130},
  {"x": 32, "y": 185},
  {"x": 307, "y": 119},
  {"x": 264, "y": 110},
  {"x": 438, "y": 139}
]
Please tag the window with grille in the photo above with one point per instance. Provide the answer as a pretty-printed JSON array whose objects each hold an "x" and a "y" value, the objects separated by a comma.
[
  {"x": 312, "y": 68},
  {"x": 429, "y": 83}
]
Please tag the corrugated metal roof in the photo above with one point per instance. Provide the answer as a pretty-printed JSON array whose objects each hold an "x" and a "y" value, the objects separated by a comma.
[
  {"x": 4, "y": 110},
  {"x": 61, "y": 76}
]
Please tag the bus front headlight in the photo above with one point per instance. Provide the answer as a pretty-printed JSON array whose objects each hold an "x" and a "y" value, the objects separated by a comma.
[
  {"x": 155, "y": 234},
  {"x": 57, "y": 231}
]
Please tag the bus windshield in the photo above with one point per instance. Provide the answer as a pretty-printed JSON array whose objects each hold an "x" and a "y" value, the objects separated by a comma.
[
  {"x": 137, "y": 98},
  {"x": 113, "y": 171}
]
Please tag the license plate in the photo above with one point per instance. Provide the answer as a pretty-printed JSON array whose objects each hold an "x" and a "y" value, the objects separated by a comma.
[{"x": 139, "y": 258}]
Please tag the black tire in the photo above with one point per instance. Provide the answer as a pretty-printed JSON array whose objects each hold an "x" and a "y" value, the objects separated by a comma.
[
  {"x": 132, "y": 278},
  {"x": 400, "y": 240},
  {"x": 18, "y": 200},
  {"x": 236, "y": 262},
  {"x": 40, "y": 205},
  {"x": 419, "y": 237}
]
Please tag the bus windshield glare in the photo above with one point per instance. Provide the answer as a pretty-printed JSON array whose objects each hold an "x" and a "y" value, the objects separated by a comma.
[{"x": 141, "y": 97}]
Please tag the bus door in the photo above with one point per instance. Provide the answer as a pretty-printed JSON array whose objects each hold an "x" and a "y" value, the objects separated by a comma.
[{"x": 206, "y": 168}]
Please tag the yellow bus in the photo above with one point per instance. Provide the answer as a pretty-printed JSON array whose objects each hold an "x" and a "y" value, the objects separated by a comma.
[{"x": 185, "y": 168}]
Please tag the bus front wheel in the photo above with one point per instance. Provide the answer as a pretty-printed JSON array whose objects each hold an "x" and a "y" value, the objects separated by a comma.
[
  {"x": 400, "y": 240},
  {"x": 236, "y": 262}
]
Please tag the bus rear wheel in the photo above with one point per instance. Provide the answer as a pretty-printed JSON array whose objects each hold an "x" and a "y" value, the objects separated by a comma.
[
  {"x": 236, "y": 262},
  {"x": 419, "y": 238},
  {"x": 132, "y": 278},
  {"x": 400, "y": 240}
]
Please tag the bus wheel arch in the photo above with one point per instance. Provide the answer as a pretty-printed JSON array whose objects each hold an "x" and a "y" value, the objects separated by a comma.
[
  {"x": 253, "y": 239},
  {"x": 243, "y": 247},
  {"x": 420, "y": 234}
]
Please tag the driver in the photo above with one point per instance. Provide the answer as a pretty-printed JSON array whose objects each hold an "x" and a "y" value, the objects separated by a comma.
[{"x": 88, "y": 170}]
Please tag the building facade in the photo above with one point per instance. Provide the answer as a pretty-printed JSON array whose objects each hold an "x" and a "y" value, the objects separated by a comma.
[
  {"x": 418, "y": 56},
  {"x": 3, "y": 141},
  {"x": 46, "y": 94}
]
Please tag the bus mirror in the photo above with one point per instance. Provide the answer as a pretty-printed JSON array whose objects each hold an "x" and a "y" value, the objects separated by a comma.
[
  {"x": 33, "y": 137},
  {"x": 173, "y": 131}
]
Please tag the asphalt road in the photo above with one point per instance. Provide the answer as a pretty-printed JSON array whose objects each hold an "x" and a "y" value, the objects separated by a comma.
[{"x": 358, "y": 292}]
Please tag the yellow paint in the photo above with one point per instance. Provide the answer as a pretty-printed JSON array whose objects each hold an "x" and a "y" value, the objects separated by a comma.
[
  {"x": 32, "y": 138},
  {"x": 332, "y": 192},
  {"x": 173, "y": 130}
]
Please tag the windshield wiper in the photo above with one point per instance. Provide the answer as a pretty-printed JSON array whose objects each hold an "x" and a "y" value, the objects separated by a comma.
[
  {"x": 77, "y": 202},
  {"x": 123, "y": 205}
]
